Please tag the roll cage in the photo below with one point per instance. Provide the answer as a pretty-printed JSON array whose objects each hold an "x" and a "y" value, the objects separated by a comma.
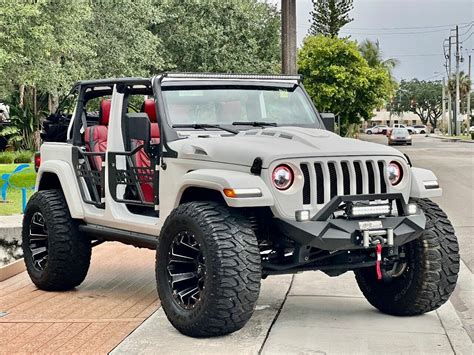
[{"x": 89, "y": 89}]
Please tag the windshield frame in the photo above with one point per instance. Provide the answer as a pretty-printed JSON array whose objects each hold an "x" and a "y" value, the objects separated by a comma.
[{"x": 244, "y": 85}]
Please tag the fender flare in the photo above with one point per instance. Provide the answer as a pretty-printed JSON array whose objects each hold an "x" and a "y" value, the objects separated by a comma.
[
  {"x": 70, "y": 190},
  {"x": 424, "y": 184},
  {"x": 219, "y": 180}
]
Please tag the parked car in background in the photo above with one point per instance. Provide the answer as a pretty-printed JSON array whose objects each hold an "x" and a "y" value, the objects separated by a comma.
[
  {"x": 379, "y": 129},
  {"x": 410, "y": 129},
  {"x": 399, "y": 136},
  {"x": 421, "y": 129}
]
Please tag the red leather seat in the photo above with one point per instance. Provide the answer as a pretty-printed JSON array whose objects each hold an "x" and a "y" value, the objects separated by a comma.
[
  {"x": 141, "y": 159},
  {"x": 96, "y": 136}
]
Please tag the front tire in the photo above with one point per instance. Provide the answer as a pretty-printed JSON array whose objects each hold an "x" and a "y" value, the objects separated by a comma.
[
  {"x": 208, "y": 269},
  {"x": 57, "y": 257},
  {"x": 430, "y": 274}
]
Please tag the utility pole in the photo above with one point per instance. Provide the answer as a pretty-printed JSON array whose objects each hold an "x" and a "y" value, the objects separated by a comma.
[
  {"x": 450, "y": 101},
  {"x": 443, "y": 100},
  {"x": 456, "y": 116},
  {"x": 468, "y": 104},
  {"x": 288, "y": 36}
]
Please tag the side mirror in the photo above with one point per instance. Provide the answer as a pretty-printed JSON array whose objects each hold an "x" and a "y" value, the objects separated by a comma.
[
  {"x": 139, "y": 127},
  {"x": 329, "y": 120}
]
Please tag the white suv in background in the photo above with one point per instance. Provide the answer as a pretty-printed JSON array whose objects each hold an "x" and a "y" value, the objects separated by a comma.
[
  {"x": 379, "y": 129},
  {"x": 421, "y": 129}
]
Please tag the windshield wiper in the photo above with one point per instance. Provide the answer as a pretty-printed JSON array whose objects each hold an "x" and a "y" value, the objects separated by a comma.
[
  {"x": 203, "y": 126},
  {"x": 254, "y": 123}
]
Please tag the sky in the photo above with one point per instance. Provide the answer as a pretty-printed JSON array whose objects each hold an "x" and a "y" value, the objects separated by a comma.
[{"x": 411, "y": 31}]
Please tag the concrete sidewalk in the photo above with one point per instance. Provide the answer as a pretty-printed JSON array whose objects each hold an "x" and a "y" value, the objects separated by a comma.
[{"x": 312, "y": 313}]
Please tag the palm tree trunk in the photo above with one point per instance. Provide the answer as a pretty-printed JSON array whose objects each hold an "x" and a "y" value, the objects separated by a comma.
[{"x": 21, "y": 102}]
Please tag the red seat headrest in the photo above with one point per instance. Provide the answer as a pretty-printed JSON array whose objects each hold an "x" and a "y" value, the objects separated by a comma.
[
  {"x": 104, "y": 112},
  {"x": 155, "y": 131},
  {"x": 149, "y": 109}
]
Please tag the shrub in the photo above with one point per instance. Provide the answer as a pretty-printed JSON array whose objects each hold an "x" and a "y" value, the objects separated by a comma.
[
  {"x": 23, "y": 157},
  {"x": 7, "y": 157}
]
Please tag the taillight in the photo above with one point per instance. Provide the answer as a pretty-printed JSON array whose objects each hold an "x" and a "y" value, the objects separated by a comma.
[{"x": 37, "y": 160}]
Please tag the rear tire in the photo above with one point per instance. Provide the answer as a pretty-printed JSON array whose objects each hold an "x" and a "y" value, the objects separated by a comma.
[
  {"x": 215, "y": 254},
  {"x": 431, "y": 271},
  {"x": 57, "y": 257}
]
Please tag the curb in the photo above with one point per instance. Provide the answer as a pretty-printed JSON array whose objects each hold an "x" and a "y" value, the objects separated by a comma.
[
  {"x": 12, "y": 269},
  {"x": 452, "y": 140},
  {"x": 457, "y": 335}
]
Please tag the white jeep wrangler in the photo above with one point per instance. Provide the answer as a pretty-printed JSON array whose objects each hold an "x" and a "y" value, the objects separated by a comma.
[{"x": 231, "y": 178}]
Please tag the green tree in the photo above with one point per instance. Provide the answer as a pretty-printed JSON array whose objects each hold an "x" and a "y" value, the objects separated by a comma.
[
  {"x": 420, "y": 97},
  {"x": 329, "y": 16},
  {"x": 464, "y": 85},
  {"x": 220, "y": 36},
  {"x": 371, "y": 52},
  {"x": 339, "y": 80},
  {"x": 124, "y": 43}
]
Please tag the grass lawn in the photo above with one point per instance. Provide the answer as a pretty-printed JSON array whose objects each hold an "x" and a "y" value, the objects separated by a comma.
[{"x": 22, "y": 179}]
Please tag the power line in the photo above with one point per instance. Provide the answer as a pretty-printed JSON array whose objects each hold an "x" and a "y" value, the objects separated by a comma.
[
  {"x": 434, "y": 76},
  {"x": 393, "y": 33},
  {"x": 462, "y": 25},
  {"x": 465, "y": 39},
  {"x": 415, "y": 55},
  {"x": 469, "y": 29}
]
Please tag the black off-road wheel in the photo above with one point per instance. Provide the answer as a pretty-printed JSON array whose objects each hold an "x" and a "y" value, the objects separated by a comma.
[
  {"x": 428, "y": 275},
  {"x": 208, "y": 269},
  {"x": 57, "y": 257}
]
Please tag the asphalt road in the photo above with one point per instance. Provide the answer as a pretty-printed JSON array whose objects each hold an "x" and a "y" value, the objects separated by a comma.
[{"x": 453, "y": 164}]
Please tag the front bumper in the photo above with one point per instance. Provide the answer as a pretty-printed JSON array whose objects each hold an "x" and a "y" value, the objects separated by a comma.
[{"x": 326, "y": 233}]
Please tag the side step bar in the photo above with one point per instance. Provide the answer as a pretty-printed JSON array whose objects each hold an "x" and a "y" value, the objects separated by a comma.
[{"x": 140, "y": 240}]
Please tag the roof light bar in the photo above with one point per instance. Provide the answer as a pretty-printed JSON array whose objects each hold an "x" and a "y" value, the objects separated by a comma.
[{"x": 231, "y": 76}]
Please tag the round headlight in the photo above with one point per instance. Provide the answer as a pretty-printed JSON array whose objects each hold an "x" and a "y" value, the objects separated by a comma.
[
  {"x": 282, "y": 177},
  {"x": 394, "y": 172}
]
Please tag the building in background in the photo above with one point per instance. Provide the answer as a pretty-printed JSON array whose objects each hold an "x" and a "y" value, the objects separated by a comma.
[{"x": 384, "y": 117}]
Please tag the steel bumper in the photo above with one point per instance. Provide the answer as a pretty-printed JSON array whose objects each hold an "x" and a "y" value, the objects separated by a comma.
[{"x": 328, "y": 233}]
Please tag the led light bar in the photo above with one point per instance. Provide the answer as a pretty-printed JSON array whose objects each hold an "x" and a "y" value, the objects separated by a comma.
[
  {"x": 369, "y": 210},
  {"x": 232, "y": 76}
]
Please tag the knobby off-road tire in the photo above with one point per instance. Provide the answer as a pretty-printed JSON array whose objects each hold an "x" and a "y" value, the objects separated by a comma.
[
  {"x": 228, "y": 270},
  {"x": 57, "y": 257},
  {"x": 431, "y": 271}
]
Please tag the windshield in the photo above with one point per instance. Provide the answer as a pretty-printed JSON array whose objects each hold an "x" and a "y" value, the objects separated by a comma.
[
  {"x": 400, "y": 131},
  {"x": 228, "y": 105}
]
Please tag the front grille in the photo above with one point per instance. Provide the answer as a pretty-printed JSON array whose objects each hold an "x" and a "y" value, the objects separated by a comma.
[
  {"x": 324, "y": 180},
  {"x": 306, "y": 186},
  {"x": 319, "y": 182}
]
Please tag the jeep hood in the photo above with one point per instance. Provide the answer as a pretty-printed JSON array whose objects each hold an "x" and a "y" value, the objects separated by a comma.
[{"x": 276, "y": 143}]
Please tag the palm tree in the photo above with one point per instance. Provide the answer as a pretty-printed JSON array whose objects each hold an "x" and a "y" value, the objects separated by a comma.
[
  {"x": 464, "y": 85},
  {"x": 370, "y": 50}
]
